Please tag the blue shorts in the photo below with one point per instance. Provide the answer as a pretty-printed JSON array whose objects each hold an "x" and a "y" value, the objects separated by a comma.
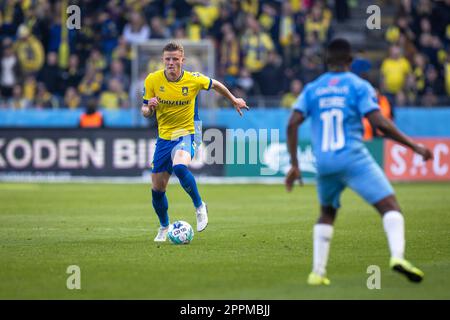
[
  {"x": 363, "y": 176},
  {"x": 165, "y": 151}
]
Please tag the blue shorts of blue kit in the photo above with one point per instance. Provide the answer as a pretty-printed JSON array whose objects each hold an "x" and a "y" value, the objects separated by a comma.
[
  {"x": 165, "y": 151},
  {"x": 363, "y": 176}
]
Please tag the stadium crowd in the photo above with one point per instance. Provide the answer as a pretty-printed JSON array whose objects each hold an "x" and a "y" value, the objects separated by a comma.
[
  {"x": 265, "y": 48},
  {"x": 417, "y": 69}
]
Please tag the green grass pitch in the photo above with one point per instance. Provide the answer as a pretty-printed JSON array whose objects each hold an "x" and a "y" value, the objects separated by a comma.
[{"x": 258, "y": 244}]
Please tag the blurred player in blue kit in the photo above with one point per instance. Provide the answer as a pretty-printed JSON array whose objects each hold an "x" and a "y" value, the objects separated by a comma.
[{"x": 336, "y": 102}]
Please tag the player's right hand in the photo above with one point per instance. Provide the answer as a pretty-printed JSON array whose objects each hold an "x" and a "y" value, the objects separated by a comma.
[
  {"x": 147, "y": 111},
  {"x": 292, "y": 175},
  {"x": 426, "y": 153}
]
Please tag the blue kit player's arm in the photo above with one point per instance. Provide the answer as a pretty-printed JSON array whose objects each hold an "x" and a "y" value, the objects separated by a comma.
[
  {"x": 378, "y": 121},
  {"x": 368, "y": 106},
  {"x": 297, "y": 117}
]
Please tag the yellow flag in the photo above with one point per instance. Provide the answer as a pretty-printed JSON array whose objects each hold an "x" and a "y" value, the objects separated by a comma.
[{"x": 64, "y": 51}]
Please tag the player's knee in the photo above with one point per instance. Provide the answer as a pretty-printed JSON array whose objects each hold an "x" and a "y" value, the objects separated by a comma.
[
  {"x": 180, "y": 170},
  {"x": 387, "y": 204},
  {"x": 327, "y": 215}
]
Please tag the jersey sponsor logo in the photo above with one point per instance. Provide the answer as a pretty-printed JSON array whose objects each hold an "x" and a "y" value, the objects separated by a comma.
[
  {"x": 332, "y": 90},
  {"x": 173, "y": 102},
  {"x": 196, "y": 74},
  {"x": 185, "y": 91},
  {"x": 161, "y": 88}
]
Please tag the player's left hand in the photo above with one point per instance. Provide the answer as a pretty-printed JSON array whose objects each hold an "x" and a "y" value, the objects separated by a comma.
[
  {"x": 426, "y": 153},
  {"x": 292, "y": 175},
  {"x": 239, "y": 104}
]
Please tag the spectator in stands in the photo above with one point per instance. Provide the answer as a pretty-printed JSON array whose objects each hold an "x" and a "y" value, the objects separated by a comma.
[
  {"x": 410, "y": 92},
  {"x": 10, "y": 71},
  {"x": 318, "y": 21},
  {"x": 29, "y": 51},
  {"x": 91, "y": 118},
  {"x": 287, "y": 31},
  {"x": 179, "y": 33},
  {"x": 85, "y": 41},
  {"x": 289, "y": 98},
  {"x": 71, "y": 76},
  {"x": 250, "y": 7},
  {"x": 245, "y": 82},
  {"x": 50, "y": 74},
  {"x": 216, "y": 31},
  {"x": 44, "y": 99},
  {"x": 194, "y": 29},
  {"x": 394, "y": 71},
  {"x": 434, "y": 85},
  {"x": 159, "y": 29},
  {"x": 29, "y": 89},
  {"x": 419, "y": 67},
  {"x": 115, "y": 97},
  {"x": 72, "y": 99},
  {"x": 311, "y": 66},
  {"x": 116, "y": 71},
  {"x": 361, "y": 65},
  {"x": 230, "y": 54},
  {"x": 256, "y": 46},
  {"x": 271, "y": 76},
  {"x": 109, "y": 34},
  {"x": 17, "y": 101},
  {"x": 136, "y": 31},
  {"x": 124, "y": 53},
  {"x": 97, "y": 60},
  {"x": 91, "y": 83}
]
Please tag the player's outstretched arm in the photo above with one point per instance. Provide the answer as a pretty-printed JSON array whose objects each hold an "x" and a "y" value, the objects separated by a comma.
[
  {"x": 238, "y": 103},
  {"x": 294, "y": 173},
  {"x": 377, "y": 120}
]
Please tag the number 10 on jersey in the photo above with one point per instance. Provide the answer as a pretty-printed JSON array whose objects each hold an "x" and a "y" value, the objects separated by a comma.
[{"x": 332, "y": 130}]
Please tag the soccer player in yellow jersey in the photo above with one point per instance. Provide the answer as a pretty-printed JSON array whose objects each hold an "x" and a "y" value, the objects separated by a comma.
[{"x": 172, "y": 94}]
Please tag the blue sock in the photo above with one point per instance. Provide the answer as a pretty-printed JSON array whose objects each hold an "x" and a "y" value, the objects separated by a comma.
[
  {"x": 160, "y": 204},
  {"x": 188, "y": 183}
]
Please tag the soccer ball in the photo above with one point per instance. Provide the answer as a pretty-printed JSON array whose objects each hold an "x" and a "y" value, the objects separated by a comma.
[{"x": 180, "y": 232}]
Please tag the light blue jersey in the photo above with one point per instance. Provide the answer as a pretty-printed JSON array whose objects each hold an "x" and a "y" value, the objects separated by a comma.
[{"x": 336, "y": 102}]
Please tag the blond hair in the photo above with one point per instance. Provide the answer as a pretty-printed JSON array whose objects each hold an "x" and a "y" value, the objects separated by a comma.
[{"x": 173, "y": 46}]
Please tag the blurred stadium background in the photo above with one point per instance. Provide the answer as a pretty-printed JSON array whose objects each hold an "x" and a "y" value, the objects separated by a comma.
[
  {"x": 265, "y": 51},
  {"x": 55, "y": 83}
]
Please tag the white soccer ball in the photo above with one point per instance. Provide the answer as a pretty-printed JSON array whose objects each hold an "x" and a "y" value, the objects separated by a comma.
[{"x": 180, "y": 232}]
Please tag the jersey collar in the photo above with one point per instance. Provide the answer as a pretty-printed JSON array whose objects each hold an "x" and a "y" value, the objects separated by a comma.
[{"x": 178, "y": 79}]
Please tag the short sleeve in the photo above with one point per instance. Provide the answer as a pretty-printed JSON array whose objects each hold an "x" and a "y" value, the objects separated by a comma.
[
  {"x": 301, "y": 103},
  {"x": 203, "y": 81},
  {"x": 367, "y": 99},
  {"x": 147, "y": 92}
]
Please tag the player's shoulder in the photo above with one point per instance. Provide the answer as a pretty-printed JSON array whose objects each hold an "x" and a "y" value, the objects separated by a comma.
[
  {"x": 361, "y": 84},
  {"x": 155, "y": 75},
  {"x": 193, "y": 74}
]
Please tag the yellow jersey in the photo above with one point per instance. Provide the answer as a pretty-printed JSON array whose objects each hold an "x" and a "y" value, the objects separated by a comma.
[{"x": 177, "y": 101}]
